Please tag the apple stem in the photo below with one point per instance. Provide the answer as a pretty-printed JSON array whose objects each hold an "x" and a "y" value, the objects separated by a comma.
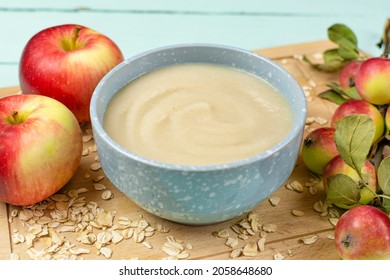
[
  {"x": 75, "y": 36},
  {"x": 15, "y": 118},
  {"x": 70, "y": 43}
]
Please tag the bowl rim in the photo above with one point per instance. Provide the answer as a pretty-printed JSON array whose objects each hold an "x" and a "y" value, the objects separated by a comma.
[{"x": 296, "y": 130}]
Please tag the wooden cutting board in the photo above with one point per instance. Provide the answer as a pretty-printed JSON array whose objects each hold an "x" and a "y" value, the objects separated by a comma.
[{"x": 285, "y": 241}]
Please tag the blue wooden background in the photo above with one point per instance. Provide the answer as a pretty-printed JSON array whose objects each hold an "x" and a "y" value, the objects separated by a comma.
[{"x": 137, "y": 26}]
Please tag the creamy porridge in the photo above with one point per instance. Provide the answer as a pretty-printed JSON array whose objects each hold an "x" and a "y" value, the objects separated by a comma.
[{"x": 198, "y": 114}]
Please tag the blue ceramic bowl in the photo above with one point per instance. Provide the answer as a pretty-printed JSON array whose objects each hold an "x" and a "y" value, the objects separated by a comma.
[{"x": 198, "y": 194}]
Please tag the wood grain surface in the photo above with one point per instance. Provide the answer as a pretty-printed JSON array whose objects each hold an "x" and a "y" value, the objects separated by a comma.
[{"x": 286, "y": 241}]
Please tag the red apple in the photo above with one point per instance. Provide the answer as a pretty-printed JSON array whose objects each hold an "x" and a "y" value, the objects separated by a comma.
[
  {"x": 338, "y": 166},
  {"x": 360, "y": 107},
  {"x": 363, "y": 233},
  {"x": 318, "y": 149},
  {"x": 372, "y": 81},
  {"x": 348, "y": 73},
  {"x": 40, "y": 148},
  {"x": 66, "y": 62}
]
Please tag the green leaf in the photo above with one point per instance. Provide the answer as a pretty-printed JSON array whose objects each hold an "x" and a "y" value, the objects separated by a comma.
[
  {"x": 332, "y": 55},
  {"x": 342, "y": 191},
  {"x": 351, "y": 92},
  {"x": 348, "y": 51},
  {"x": 384, "y": 175},
  {"x": 333, "y": 96},
  {"x": 353, "y": 137},
  {"x": 330, "y": 66},
  {"x": 335, "y": 59},
  {"x": 342, "y": 35}
]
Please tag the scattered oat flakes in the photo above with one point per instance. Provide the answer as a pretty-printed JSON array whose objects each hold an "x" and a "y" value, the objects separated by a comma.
[
  {"x": 172, "y": 248},
  {"x": 98, "y": 178},
  {"x": 334, "y": 213},
  {"x": 223, "y": 233},
  {"x": 270, "y": 228},
  {"x": 44, "y": 220},
  {"x": 313, "y": 190},
  {"x": 310, "y": 239},
  {"x": 106, "y": 252},
  {"x": 261, "y": 244},
  {"x": 250, "y": 249},
  {"x": 95, "y": 166},
  {"x": 297, "y": 213},
  {"x": 330, "y": 236},
  {"x": 296, "y": 186},
  {"x": 312, "y": 83},
  {"x": 278, "y": 256},
  {"x": 82, "y": 190},
  {"x": 92, "y": 148},
  {"x": 333, "y": 221},
  {"x": 320, "y": 207},
  {"x": 231, "y": 242},
  {"x": 298, "y": 56},
  {"x": 14, "y": 213},
  {"x": 243, "y": 236},
  {"x": 235, "y": 253},
  {"x": 79, "y": 251},
  {"x": 99, "y": 187},
  {"x": 274, "y": 200},
  {"x": 14, "y": 256},
  {"x": 87, "y": 138},
  {"x": 85, "y": 152},
  {"x": 147, "y": 244},
  {"x": 106, "y": 195}
]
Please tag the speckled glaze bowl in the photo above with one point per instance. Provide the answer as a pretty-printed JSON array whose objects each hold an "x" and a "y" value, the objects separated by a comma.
[{"x": 198, "y": 194}]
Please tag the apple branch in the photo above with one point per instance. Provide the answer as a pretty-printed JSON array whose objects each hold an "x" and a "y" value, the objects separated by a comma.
[{"x": 385, "y": 42}]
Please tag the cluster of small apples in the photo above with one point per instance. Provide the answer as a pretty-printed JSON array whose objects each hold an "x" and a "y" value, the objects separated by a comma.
[
  {"x": 40, "y": 133},
  {"x": 363, "y": 232}
]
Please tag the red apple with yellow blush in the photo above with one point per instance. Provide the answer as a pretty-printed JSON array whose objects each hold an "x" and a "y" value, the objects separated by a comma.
[
  {"x": 352, "y": 107},
  {"x": 66, "y": 62},
  {"x": 363, "y": 233},
  {"x": 40, "y": 148},
  {"x": 318, "y": 149},
  {"x": 372, "y": 80},
  {"x": 348, "y": 73},
  {"x": 338, "y": 166}
]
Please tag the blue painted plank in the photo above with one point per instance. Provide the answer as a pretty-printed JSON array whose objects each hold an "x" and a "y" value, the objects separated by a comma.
[
  {"x": 137, "y": 26},
  {"x": 281, "y": 7}
]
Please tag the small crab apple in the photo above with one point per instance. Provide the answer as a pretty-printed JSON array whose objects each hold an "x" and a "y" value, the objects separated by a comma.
[
  {"x": 372, "y": 81},
  {"x": 363, "y": 233},
  {"x": 318, "y": 149},
  {"x": 338, "y": 166},
  {"x": 360, "y": 107},
  {"x": 348, "y": 73}
]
